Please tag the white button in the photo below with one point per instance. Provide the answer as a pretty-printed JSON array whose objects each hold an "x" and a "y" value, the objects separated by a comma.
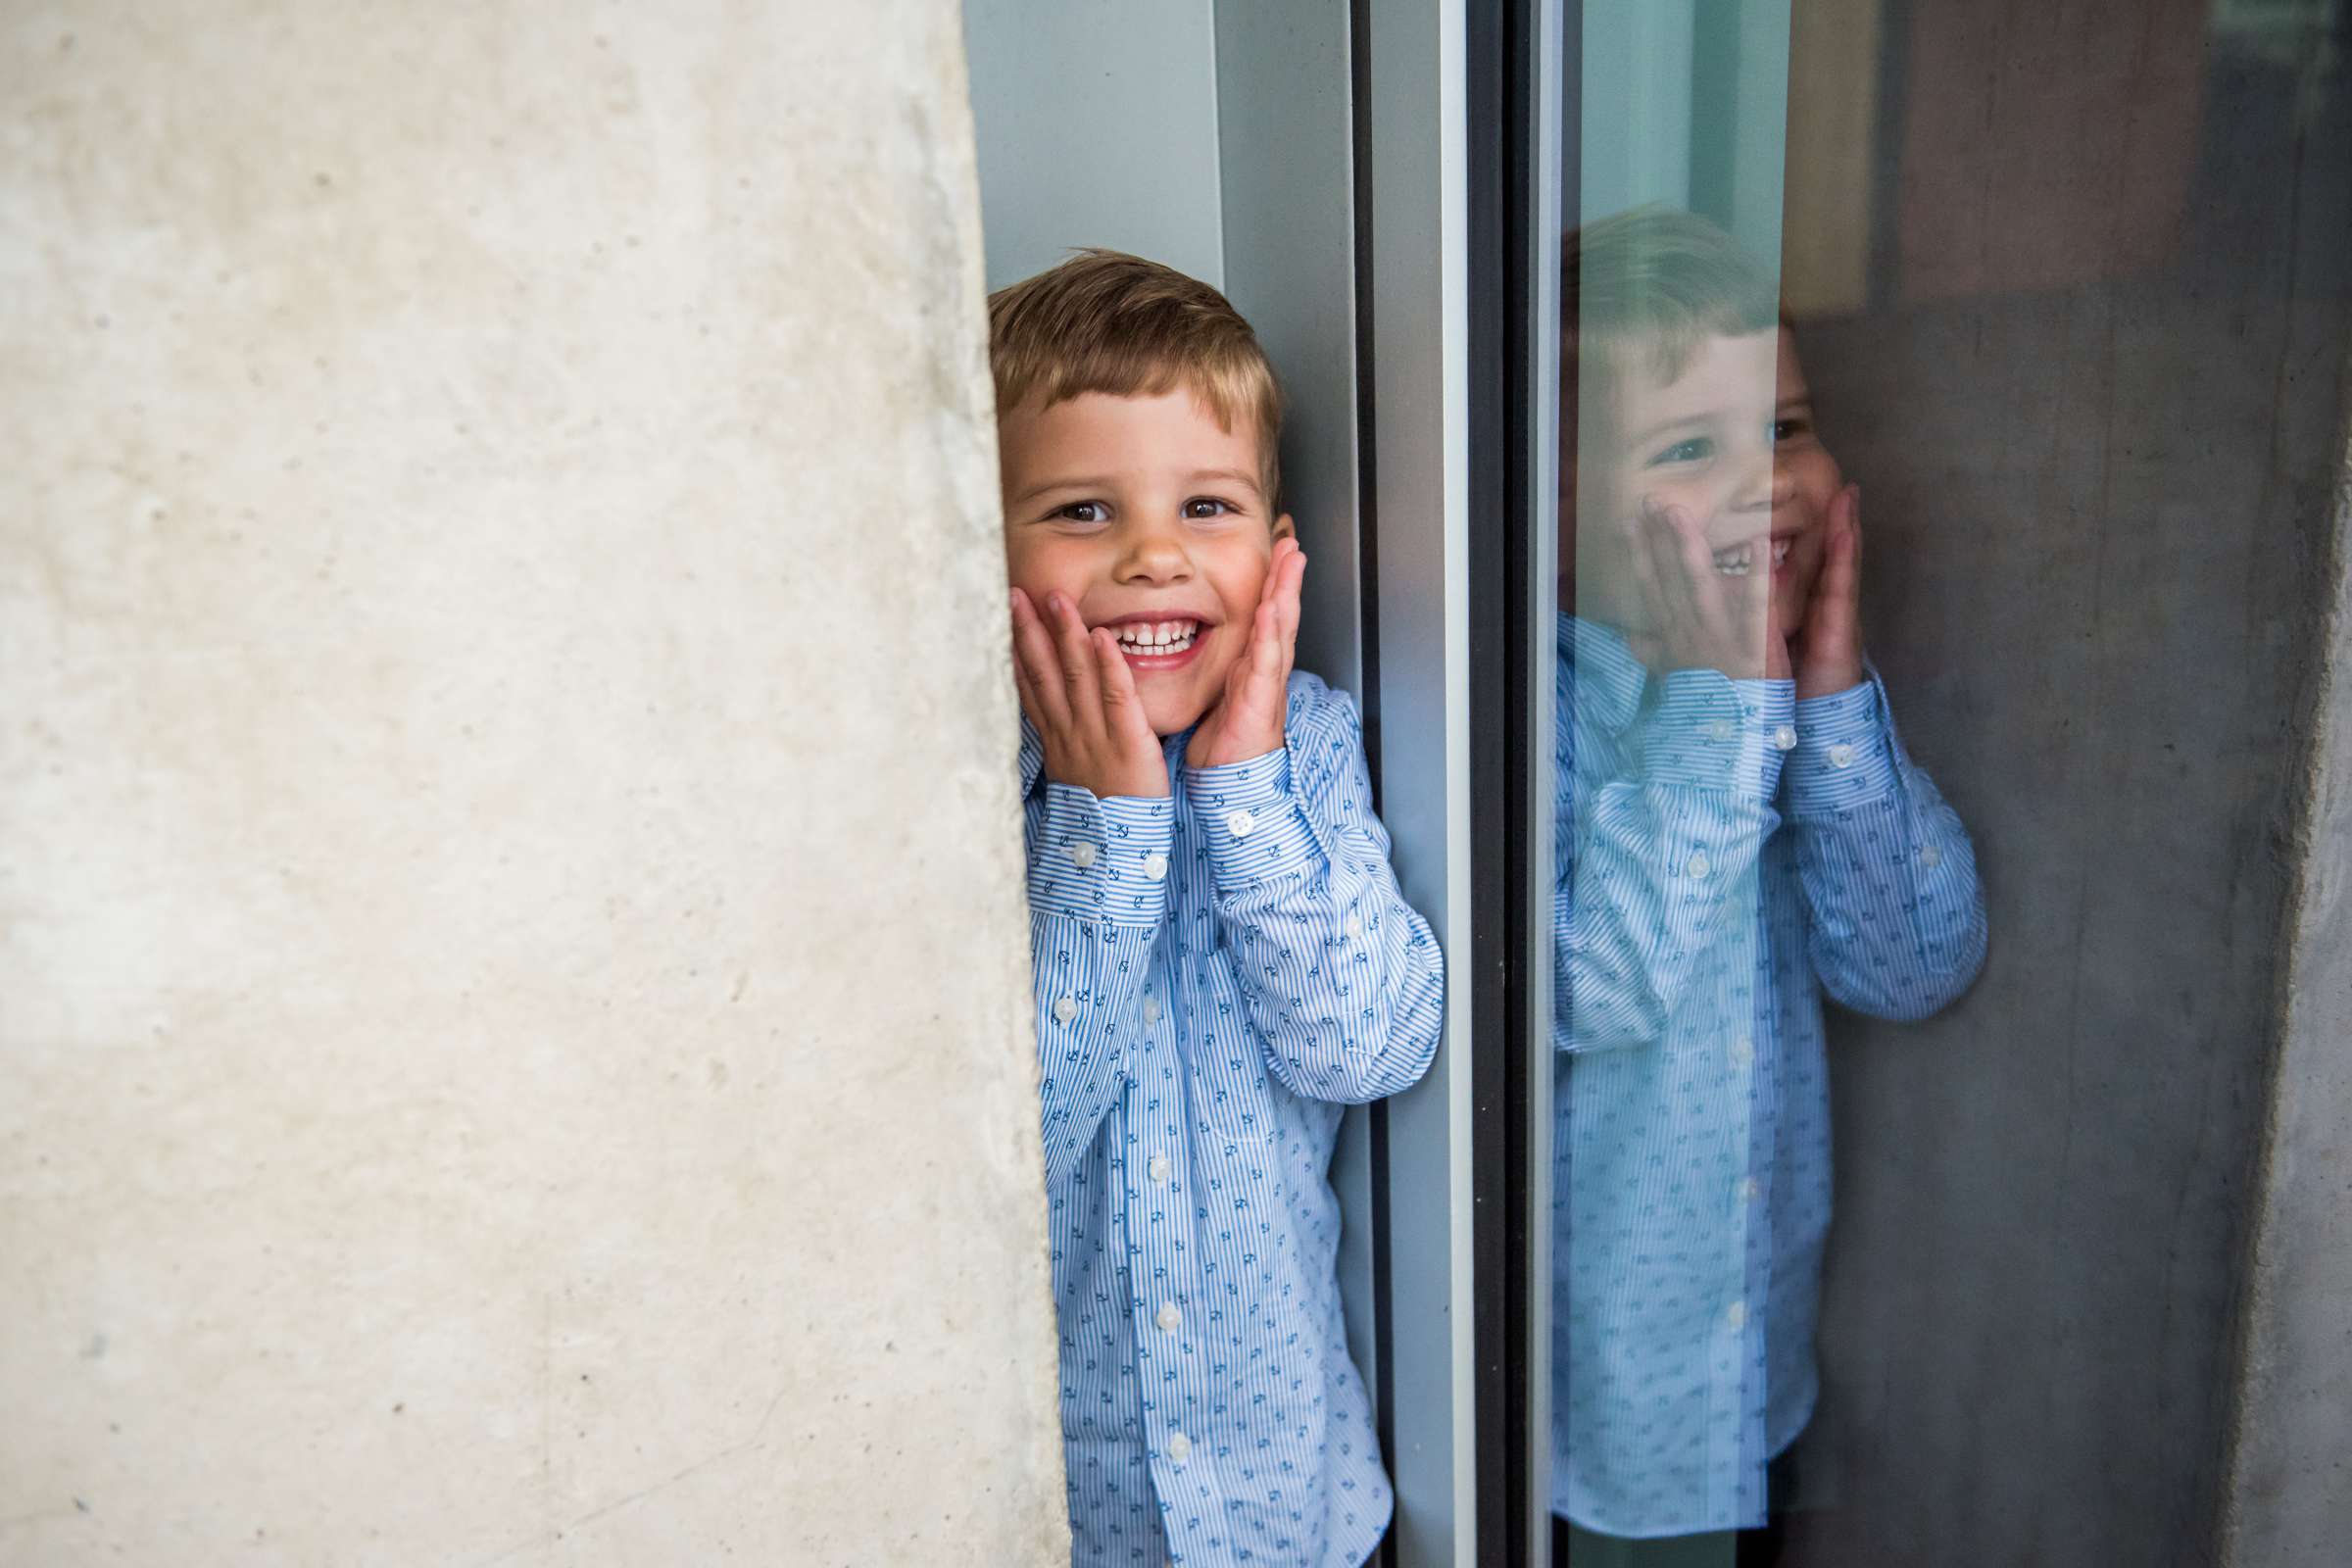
[
  {"x": 1749, "y": 1189},
  {"x": 1239, "y": 823},
  {"x": 1930, "y": 856},
  {"x": 1067, "y": 1008},
  {"x": 1743, "y": 1052},
  {"x": 1169, "y": 1317},
  {"x": 1150, "y": 1009},
  {"x": 1082, "y": 855},
  {"x": 1356, "y": 926},
  {"x": 1155, "y": 866},
  {"x": 1841, "y": 754},
  {"x": 1699, "y": 864},
  {"x": 1735, "y": 1315},
  {"x": 1158, "y": 1169},
  {"x": 1721, "y": 729},
  {"x": 1180, "y": 1447},
  {"x": 1783, "y": 738}
]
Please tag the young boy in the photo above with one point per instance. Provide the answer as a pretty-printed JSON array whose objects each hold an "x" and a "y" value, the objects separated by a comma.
[
  {"x": 1222, "y": 958},
  {"x": 1739, "y": 831}
]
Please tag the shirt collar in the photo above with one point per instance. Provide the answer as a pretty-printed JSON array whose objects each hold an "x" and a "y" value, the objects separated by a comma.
[{"x": 1605, "y": 678}]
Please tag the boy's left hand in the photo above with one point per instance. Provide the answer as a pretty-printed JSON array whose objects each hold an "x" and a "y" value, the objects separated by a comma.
[
  {"x": 1246, "y": 721},
  {"x": 1826, "y": 652}
]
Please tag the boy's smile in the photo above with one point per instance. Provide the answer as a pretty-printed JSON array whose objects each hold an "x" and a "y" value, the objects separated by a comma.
[
  {"x": 1148, "y": 516},
  {"x": 1153, "y": 642}
]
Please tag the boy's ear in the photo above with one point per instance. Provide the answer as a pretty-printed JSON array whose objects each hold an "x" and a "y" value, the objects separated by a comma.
[{"x": 1283, "y": 528}]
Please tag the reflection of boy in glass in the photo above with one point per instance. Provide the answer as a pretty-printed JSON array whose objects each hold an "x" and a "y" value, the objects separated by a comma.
[{"x": 1740, "y": 830}]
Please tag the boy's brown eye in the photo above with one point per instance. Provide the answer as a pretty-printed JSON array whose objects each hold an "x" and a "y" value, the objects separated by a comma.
[
  {"x": 1082, "y": 512},
  {"x": 1207, "y": 506}
]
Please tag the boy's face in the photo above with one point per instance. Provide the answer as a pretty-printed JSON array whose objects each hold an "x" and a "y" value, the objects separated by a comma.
[
  {"x": 1148, "y": 515},
  {"x": 1730, "y": 441}
]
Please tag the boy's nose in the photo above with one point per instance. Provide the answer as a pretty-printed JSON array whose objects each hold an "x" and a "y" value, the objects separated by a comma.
[
  {"x": 1154, "y": 556},
  {"x": 1760, "y": 485}
]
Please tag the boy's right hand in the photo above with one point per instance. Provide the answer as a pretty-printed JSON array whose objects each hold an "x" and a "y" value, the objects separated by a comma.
[
  {"x": 1077, "y": 690},
  {"x": 1705, "y": 619}
]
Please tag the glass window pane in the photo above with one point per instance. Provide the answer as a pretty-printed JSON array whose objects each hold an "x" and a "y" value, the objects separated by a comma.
[{"x": 1951, "y": 413}]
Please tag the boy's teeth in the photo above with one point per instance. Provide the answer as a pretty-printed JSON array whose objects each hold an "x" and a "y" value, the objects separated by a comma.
[
  {"x": 1158, "y": 636},
  {"x": 1780, "y": 552},
  {"x": 1735, "y": 561}
]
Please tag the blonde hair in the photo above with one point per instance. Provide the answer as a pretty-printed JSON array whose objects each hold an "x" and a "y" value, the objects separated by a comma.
[
  {"x": 1647, "y": 286},
  {"x": 1103, "y": 321}
]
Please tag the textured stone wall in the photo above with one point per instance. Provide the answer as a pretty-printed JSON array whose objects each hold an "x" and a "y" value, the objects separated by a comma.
[
  {"x": 2289, "y": 1497},
  {"x": 514, "y": 1039}
]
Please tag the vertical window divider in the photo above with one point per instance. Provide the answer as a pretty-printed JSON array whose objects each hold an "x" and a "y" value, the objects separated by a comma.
[{"x": 1545, "y": 183}]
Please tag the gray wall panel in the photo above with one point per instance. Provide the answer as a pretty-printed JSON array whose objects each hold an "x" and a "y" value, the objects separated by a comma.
[{"x": 1097, "y": 126}]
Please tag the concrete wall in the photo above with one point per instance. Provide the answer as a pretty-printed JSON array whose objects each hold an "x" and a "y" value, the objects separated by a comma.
[
  {"x": 2291, "y": 1478},
  {"x": 513, "y": 1037},
  {"x": 2099, "y": 515}
]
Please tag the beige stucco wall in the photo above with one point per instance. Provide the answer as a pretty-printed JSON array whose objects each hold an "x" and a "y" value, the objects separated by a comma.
[{"x": 512, "y": 1029}]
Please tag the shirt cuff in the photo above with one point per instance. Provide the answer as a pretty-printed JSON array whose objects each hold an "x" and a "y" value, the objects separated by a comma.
[
  {"x": 1250, "y": 820},
  {"x": 1710, "y": 731},
  {"x": 1102, "y": 859},
  {"x": 1845, "y": 754}
]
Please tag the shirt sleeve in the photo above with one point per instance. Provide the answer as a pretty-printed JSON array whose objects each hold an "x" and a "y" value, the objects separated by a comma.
[
  {"x": 1890, "y": 877},
  {"x": 1657, "y": 888},
  {"x": 1344, "y": 982},
  {"x": 1098, "y": 897}
]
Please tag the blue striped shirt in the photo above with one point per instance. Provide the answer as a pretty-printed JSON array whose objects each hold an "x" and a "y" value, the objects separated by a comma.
[
  {"x": 1727, "y": 854},
  {"x": 1217, "y": 972}
]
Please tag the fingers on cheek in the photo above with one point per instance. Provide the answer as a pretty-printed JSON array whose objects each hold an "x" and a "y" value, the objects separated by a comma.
[{"x": 1116, "y": 672}]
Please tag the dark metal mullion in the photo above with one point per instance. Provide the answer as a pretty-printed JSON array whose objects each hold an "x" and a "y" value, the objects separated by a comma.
[
  {"x": 1494, "y": 974},
  {"x": 1571, "y": 67},
  {"x": 1367, "y": 491},
  {"x": 1525, "y": 635}
]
